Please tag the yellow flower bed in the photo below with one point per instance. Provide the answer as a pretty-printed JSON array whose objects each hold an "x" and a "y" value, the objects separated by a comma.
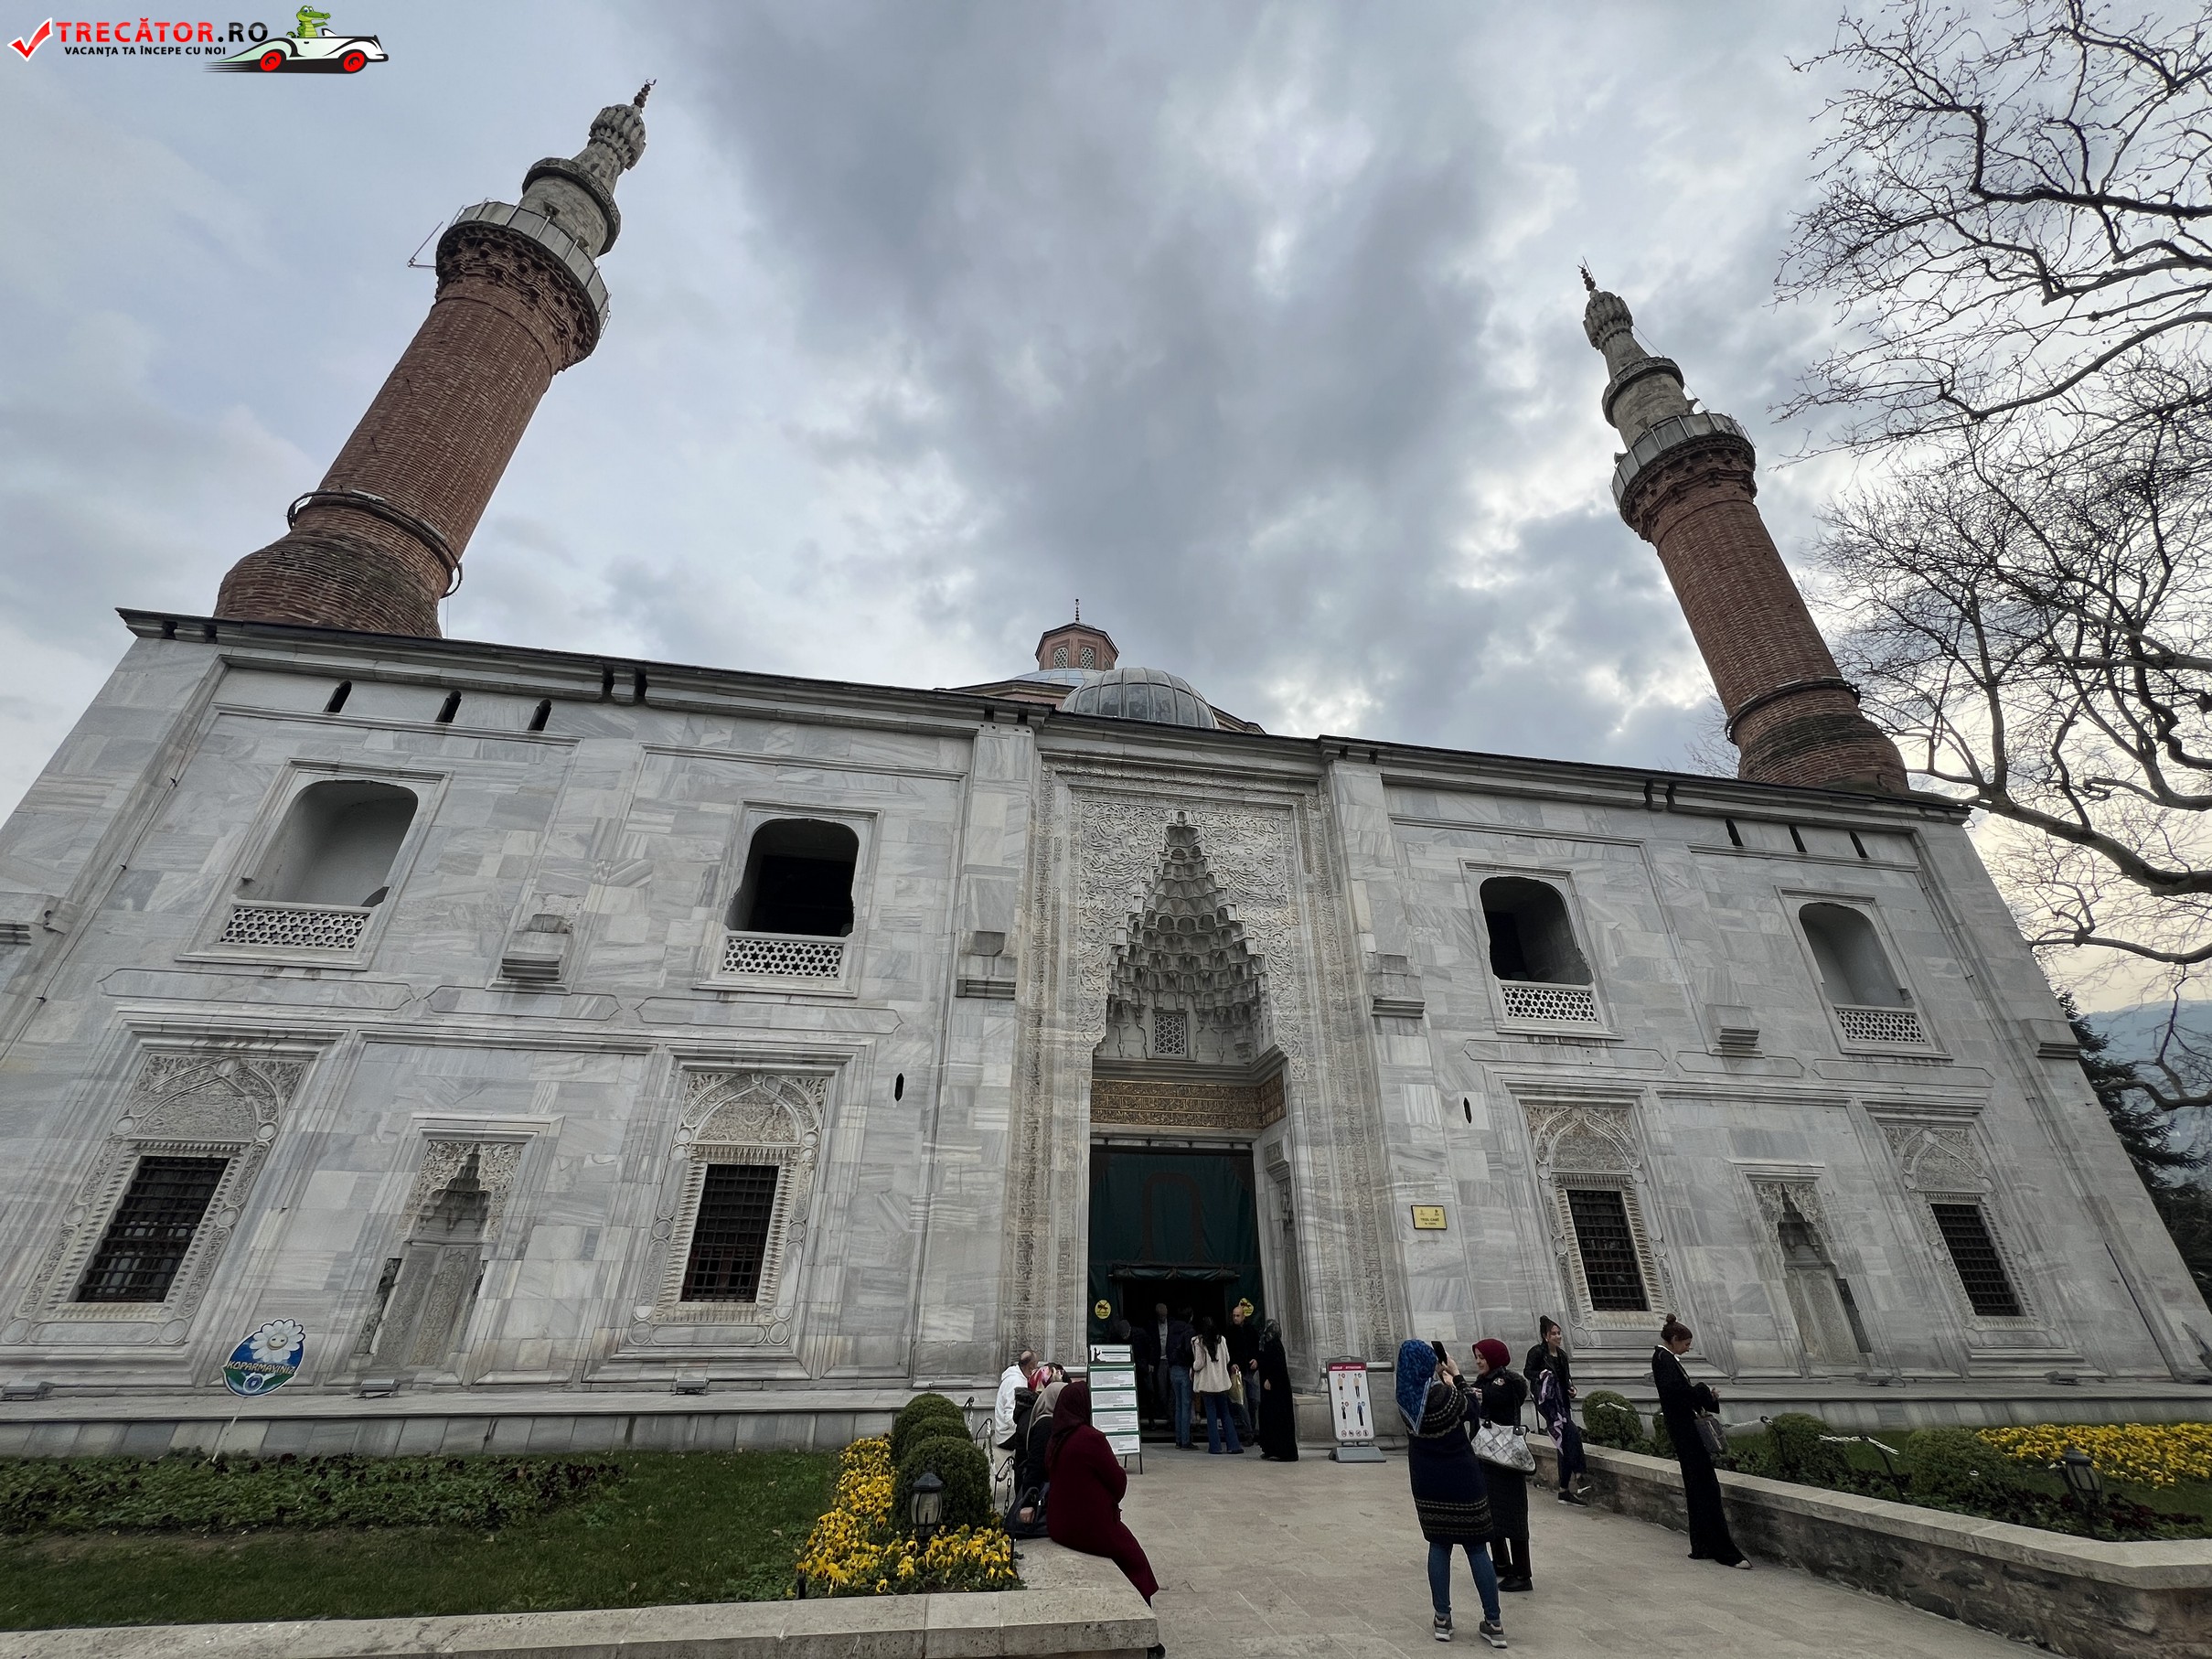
[
  {"x": 854, "y": 1551},
  {"x": 2150, "y": 1454}
]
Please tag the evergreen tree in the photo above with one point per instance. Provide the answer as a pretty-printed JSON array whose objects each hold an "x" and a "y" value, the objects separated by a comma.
[{"x": 2147, "y": 1134}]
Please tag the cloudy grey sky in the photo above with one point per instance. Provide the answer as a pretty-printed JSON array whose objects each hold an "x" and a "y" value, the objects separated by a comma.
[{"x": 1255, "y": 326}]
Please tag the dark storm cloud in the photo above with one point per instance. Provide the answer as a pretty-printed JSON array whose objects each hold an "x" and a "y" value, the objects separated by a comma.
[{"x": 1185, "y": 307}]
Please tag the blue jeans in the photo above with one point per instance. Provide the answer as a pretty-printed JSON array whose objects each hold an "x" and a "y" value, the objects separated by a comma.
[
  {"x": 1179, "y": 1387},
  {"x": 1440, "y": 1579},
  {"x": 1219, "y": 1422}
]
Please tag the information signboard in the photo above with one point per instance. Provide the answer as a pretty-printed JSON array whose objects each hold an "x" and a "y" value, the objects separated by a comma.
[
  {"x": 1352, "y": 1412},
  {"x": 1113, "y": 1379}
]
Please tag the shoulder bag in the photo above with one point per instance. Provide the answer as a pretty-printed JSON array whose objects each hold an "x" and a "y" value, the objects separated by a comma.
[
  {"x": 1709, "y": 1432},
  {"x": 1506, "y": 1445}
]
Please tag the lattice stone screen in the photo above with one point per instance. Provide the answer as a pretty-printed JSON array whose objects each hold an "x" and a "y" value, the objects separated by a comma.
[
  {"x": 782, "y": 956},
  {"x": 295, "y": 926},
  {"x": 1882, "y": 1025},
  {"x": 1171, "y": 1033},
  {"x": 1561, "y": 1004}
]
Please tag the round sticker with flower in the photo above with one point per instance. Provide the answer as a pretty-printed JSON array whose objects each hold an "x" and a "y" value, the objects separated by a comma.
[{"x": 266, "y": 1360}]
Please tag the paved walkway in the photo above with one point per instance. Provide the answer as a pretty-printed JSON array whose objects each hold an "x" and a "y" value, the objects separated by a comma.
[{"x": 1322, "y": 1560}]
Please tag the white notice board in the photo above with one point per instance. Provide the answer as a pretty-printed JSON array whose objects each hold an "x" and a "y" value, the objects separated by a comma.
[
  {"x": 1353, "y": 1413},
  {"x": 1113, "y": 1379}
]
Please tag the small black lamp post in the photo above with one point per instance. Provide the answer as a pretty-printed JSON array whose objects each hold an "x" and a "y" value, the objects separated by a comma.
[
  {"x": 2083, "y": 1482},
  {"x": 925, "y": 1508}
]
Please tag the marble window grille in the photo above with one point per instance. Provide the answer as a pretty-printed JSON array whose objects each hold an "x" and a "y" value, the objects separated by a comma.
[
  {"x": 187, "y": 1110},
  {"x": 792, "y": 917},
  {"x": 1542, "y": 976},
  {"x": 768, "y": 1125},
  {"x": 316, "y": 885},
  {"x": 1588, "y": 1162},
  {"x": 1869, "y": 1003}
]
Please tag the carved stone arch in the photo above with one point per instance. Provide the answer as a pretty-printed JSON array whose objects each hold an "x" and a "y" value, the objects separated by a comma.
[
  {"x": 1100, "y": 830},
  {"x": 217, "y": 1099}
]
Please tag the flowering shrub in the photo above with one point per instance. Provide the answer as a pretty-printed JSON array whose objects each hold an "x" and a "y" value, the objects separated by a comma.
[
  {"x": 2150, "y": 1454},
  {"x": 855, "y": 1550}
]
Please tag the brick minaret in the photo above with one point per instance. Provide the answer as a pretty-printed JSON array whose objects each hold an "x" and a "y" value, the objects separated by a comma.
[
  {"x": 1685, "y": 486},
  {"x": 379, "y": 542}
]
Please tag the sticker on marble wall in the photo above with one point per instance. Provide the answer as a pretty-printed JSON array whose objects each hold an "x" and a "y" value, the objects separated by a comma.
[{"x": 267, "y": 1359}]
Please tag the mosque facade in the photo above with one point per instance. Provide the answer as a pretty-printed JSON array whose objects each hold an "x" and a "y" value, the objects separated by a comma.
[{"x": 563, "y": 1040}]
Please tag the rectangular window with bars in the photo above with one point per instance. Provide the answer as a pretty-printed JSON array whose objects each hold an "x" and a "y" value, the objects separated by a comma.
[
  {"x": 730, "y": 1239},
  {"x": 1989, "y": 1289},
  {"x": 1608, "y": 1246},
  {"x": 153, "y": 1228}
]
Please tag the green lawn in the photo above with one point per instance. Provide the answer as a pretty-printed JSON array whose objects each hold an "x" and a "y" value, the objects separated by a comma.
[{"x": 706, "y": 1526}]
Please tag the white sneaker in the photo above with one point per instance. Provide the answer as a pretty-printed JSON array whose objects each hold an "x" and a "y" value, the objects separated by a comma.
[{"x": 1492, "y": 1633}]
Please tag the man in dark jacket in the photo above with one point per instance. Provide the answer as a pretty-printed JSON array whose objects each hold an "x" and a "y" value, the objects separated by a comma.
[{"x": 1144, "y": 1353}]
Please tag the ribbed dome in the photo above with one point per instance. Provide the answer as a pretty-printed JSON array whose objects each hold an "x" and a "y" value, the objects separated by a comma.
[{"x": 1151, "y": 694}]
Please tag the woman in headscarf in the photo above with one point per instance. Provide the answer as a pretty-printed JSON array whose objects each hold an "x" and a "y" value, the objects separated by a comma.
[
  {"x": 1680, "y": 1401},
  {"x": 1548, "y": 1373},
  {"x": 1277, "y": 1416},
  {"x": 1449, "y": 1498},
  {"x": 1088, "y": 1481},
  {"x": 1503, "y": 1392}
]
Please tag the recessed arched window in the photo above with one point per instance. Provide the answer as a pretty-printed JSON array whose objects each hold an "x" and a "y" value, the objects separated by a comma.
[
  {"x": 1060, "y": 657},
  {"x": 799, "y": 879},
  {"x": 1531, "y": 938},
  {"x": 1088, "y": 659},
  {"x": 1855, "y": 972},
  {"x": 336, "y": 845}
]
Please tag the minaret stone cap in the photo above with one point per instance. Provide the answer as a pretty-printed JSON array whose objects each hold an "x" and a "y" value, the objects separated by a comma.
[
  {"x": 577, "y": 193},
  {"x": 1644, "y": 390}
]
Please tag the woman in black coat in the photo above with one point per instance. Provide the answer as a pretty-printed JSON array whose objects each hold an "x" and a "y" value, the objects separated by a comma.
[
  {"x": 1680, "y": 1401},
  {"x": 1551, "y": 1385},
  {"x": 1503, "y": 1391},
  {"x": 1277, "y": 1414}
]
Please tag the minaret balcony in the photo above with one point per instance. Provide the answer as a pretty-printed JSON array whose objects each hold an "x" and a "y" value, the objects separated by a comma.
[{"x": 1672, "y": 433}]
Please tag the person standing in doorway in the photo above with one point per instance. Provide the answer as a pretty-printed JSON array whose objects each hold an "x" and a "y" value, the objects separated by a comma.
[
  {"x": 1181, "y": 1333},
  {"x": 1553, "y": 1385},
  {"x": 1210, "y": 1376},
  {"x": 1278, "y": 1413},
  {"x": 1244, "y": 1366},
  {"x": 1680, "y": 1402},
  {"x": 1503, "y": 1392},
  {"x": 1448, "y": 1496},
  {"x": 1144, "y": 1355}
]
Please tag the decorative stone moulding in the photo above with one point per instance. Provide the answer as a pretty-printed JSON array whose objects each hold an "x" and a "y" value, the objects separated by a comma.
[
  {"x": 296, "y": 926},
  {"x": 782, "y": 956},
  {"x": 1553, "y": 1005}
]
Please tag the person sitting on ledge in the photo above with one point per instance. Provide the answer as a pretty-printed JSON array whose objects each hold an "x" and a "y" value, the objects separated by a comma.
[{"x": 1088, "y": 1481}]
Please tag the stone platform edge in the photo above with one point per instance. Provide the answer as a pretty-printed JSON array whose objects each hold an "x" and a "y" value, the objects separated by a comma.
[
  {"x": 2083, "y": 1597},
  {"x": 1073, "y": 1607}
]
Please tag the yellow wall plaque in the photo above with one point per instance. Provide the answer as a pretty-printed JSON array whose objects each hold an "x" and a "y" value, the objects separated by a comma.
[{"x": 1428, "y": 1217}]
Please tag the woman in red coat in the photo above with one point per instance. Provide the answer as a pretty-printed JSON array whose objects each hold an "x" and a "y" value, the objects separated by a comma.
[{"x": 1083, "y": 1505}]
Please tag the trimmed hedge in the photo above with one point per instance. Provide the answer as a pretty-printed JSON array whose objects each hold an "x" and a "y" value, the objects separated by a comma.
[
  {"x": 1795, "y": 1451},
  {"x": 967, "y": 1474},
  {"x": 1610, "y": 1419},
  {"x": 1958, "y": 1466},
  {"x": 187, "y": 1493},
  {"x": 924, "y": 1415}
]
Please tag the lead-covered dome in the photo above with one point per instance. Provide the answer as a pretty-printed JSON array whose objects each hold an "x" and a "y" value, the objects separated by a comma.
[{"x": 1151, "y": 694}]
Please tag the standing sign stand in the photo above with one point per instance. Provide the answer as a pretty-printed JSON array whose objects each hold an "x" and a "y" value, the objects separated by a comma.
[
  {"x": 1355, "y": 1419},
  {"x": 1113, "y": 1379}
]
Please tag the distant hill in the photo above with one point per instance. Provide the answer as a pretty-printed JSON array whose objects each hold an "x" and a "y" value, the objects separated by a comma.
[{"x": 2134, "y": 1034}]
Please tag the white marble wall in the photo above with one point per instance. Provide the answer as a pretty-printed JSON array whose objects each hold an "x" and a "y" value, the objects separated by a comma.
[{"x": 944, "y": 1076}]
